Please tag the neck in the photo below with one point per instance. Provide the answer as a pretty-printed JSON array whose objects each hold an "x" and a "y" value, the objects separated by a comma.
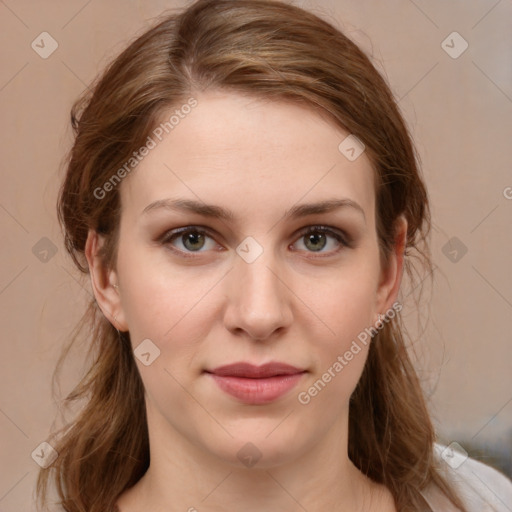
[{"x": 183, "y": 477}]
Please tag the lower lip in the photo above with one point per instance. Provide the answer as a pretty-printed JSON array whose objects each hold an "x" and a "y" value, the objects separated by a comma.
[{"x": 257, "y": 391}]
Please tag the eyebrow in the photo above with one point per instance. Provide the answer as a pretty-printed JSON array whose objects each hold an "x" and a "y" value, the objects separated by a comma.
[{"x": 213, "y": 211}]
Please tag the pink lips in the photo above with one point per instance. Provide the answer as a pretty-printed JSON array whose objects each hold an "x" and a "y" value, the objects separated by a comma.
[{"x": 256, "y": 384}]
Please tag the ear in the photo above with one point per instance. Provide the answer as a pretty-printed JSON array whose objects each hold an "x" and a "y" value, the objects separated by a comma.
[
  {"x": 391, "y": 277},
  {"x": 103, "y": 281}
]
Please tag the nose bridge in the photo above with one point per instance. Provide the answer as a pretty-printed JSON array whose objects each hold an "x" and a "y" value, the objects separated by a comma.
[{"x": 258, "y": 299}]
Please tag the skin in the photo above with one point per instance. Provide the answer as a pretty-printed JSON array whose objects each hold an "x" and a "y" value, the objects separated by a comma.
[{"x": 292, "y": 304}]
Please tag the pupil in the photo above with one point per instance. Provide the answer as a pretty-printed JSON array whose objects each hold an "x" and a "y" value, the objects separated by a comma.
[
  {"x": 194, "y": 241},
  {"x": 315, "y": 239},
  {"x": 193, "y": 238}
]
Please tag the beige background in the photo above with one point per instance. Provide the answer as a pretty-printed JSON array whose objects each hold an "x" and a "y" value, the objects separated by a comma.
[{"x": 460, "y": 113}]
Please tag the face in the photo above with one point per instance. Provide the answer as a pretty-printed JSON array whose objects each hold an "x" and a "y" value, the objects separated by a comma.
[{"x": 224, "y": 259}]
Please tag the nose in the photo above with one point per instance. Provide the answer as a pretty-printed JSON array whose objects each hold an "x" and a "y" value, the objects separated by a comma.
[{"x": 258, "y": 299}]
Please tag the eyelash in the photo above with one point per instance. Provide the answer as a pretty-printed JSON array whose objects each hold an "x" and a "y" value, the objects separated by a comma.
[{"x": 172, "y": 235}]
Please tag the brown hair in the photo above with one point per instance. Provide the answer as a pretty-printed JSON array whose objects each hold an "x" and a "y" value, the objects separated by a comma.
[{"x": 267, "y": 49}]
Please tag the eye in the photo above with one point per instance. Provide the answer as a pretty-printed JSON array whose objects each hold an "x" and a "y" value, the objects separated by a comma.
[
  {"x": 189, "y": 239},
  {"x": 317, "y": 238},
  {"x": 194, "y": 239}
]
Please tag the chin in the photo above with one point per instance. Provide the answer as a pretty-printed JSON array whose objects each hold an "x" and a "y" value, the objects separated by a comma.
[{"x": 260, "y": 448}]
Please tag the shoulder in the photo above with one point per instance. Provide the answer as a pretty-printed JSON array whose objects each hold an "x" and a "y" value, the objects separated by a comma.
[{"x": 482, "y": 488}]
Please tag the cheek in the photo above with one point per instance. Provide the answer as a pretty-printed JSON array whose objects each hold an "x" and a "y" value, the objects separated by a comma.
[
  {"x": 345, "y": 306},
  {"x": 343, "y": 302},
  {"x": 156, "y": 293},
  {"x": 339, "y": 351},
  {"x": 169, "y": 305},
  {"x": 328, "y": 393}
]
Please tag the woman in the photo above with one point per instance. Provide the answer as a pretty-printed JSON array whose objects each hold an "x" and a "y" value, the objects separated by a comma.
[{"x": 245, "y": 196}]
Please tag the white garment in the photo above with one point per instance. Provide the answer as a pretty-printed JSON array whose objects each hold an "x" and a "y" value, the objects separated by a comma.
[{"x": 482, "y": 488}]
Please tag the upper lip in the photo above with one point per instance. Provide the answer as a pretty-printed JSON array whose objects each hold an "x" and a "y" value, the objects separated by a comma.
[{"x": 249, "y": 370}]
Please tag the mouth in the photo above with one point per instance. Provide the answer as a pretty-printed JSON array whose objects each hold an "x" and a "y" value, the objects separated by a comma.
[{"x": 256, "y": 385}]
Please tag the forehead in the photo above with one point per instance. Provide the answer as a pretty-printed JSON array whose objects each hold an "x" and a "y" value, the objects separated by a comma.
[{"x": 251, "y": 156}]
